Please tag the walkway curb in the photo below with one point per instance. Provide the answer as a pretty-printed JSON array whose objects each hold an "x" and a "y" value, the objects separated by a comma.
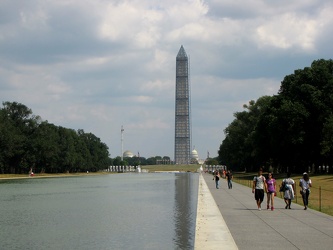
[{"x": 211, "y": 230}]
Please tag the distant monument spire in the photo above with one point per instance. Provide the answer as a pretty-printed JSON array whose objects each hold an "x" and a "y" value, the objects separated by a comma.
[
  {"x": 122, "y": 143},
  {"x": 182, "y": 110}
]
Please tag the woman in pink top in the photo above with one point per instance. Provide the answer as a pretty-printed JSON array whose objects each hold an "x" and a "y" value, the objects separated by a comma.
[{"x": 271, "y": 190}]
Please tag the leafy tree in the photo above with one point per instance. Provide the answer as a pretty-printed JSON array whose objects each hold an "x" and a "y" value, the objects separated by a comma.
[
  {"x": 280, "y": 133},
  {"x": 212, "y": 161},
  {"x": 327, "y": 141},
  {"x": 291, "y": 130},
  {"x": 98, "y": 151},
  {"x": 18, "y": 124},
  {"x": 151, "y": 161},
  {"x": 46, "y": 147},
  {"x": 117, "y": 161},
  {"x": 310, "y": 91},
  {"x": 68, "y": 155},
  {"x": 27, "y": 142},
  {"x": 239, "y": 150}
]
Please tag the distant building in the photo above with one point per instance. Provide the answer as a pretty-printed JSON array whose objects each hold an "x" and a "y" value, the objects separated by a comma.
[
  {"x": 182, "y": 110},
  {"x": 128, "y": 154},
  {"x": 194, "y": 156}
]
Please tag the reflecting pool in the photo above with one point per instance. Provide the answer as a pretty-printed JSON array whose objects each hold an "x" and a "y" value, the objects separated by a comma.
[{"x": 116, "y": 211}]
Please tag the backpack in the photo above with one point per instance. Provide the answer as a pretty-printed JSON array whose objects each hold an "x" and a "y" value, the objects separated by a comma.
[{"x": 283, "y": 187}]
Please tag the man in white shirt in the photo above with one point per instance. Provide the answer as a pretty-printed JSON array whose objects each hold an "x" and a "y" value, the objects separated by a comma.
[{"x": 259, "y": 188}]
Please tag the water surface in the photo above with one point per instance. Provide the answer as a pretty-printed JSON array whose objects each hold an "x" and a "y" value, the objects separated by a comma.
[{"x": 119, "y": 211}]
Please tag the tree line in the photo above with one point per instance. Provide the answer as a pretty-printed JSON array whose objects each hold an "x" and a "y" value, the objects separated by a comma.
[
  {"x": 290, "y": 131},
  {"x": 139, "y": 160},
  {"x": 27, "y": 142}
]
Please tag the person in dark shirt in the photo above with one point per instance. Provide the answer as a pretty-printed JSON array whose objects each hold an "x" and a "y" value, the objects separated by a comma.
[
  {"x": 229, "y": 179},
  {"x": 217, "y": 179}
]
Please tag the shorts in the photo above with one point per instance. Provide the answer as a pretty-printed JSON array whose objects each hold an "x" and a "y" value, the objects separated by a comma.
[{"x": 259, "y": 194}]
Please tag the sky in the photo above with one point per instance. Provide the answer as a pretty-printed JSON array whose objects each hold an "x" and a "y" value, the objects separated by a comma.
[{"x": 102, "y": 64}]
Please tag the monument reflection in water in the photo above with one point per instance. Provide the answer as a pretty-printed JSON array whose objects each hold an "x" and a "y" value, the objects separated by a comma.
[
  {"x": 186, "y": 197},
  {"x": 118, "y": 211}
]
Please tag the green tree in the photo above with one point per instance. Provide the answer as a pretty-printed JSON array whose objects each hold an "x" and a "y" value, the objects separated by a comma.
[
  {"x": 46, "y": 147},
  {"x": 68, "y": 155},
  {"x": 27, "y": 142},
  {"x": 239, "y": 149},
  {"x": 280, "y": 134},
  {"x": 327, "y": 141},
  {"x": 212, "y": 161},
  {"x": 18, "y": 124},
  {"x": 310, "y": 93},
  {"x": 291, "y": 130},
  {"x": 98, "y": 151},
  {"x": 116, "y": 161}
]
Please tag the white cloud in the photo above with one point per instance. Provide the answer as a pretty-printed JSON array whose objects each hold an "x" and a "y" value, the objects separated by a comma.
[
  {"x": 288, "y": 30},
  {"x": 34, "y": 20},
  {"x": 97, "y": 65}
]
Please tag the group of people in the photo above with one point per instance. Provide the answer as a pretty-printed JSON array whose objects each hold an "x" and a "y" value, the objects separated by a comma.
[
  {"x": 262, "y": 185},
  {"x": 228, "y": 176}
]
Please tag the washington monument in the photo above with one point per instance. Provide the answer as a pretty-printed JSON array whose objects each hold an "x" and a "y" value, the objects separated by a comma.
[{"x": 182, "y": 110}]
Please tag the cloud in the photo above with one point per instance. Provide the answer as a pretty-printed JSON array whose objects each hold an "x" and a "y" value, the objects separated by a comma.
[
  {"x": 288, "y": 31},
  {"x": 98, "y": 65}
]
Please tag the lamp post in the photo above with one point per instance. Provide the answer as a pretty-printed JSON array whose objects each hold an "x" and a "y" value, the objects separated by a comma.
[{"x": 122, "y": 142}]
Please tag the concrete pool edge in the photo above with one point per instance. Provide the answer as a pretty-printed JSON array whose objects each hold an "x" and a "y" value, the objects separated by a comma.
[{"x": 211, "y": 231}]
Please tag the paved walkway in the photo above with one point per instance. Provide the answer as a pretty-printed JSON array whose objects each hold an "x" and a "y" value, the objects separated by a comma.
[
  {"x": 211, "y": 230},
  {"x": 282, "y": 228}
]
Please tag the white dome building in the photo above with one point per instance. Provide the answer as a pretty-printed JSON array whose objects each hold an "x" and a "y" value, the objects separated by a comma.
[
  {"x": 128, "y": 154},
  {"x": 194, "y": 156}
]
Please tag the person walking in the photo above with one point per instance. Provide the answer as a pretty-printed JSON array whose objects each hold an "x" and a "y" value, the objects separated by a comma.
[
  {"x": 271, "y": 190},
  {"x": 259, "y": 184},
  {"x": 217, "y": 178},
  {"x": 305, "y": 184},
  {"x": 289, "y": 187},
  {"x": 229, "y": 179}
]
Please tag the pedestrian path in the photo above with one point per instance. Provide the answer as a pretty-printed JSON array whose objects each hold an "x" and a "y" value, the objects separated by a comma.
[
  {"x": 282, "y": 228},
  {"x": 211, "y": 230}
]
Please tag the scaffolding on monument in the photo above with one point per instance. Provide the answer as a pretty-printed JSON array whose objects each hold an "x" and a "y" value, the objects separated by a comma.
[{"x": 182, "y": 110}]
